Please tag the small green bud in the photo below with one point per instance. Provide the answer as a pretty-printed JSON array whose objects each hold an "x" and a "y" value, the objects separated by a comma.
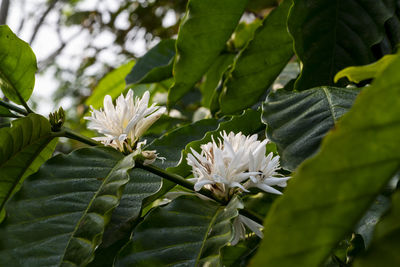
[{"x": 57, "y": 119}]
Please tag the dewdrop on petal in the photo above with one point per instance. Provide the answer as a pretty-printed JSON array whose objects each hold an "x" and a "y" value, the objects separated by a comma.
[{"x": 123, "y": 124}]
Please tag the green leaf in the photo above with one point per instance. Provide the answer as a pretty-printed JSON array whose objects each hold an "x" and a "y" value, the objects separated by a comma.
[
  {"x": 141, "y": 186},
  {"x": 297, "y": 121},
  {"x": 17, "y": 66},
  {"x": 23, "y": 149},
  {"x": 248, "y": 123},
  {"x": 330, "y": 35},
  {"x": 240, "y": 254},
  {"x": 258, "y": 5},
  {"x": 187, "y": 232},
  {"x": 259, "y": 64},
  {"x": 213, "y": 77},
  {"x": 59, "y": 215},
  {"x": 164, "y": 124},
  {"x": 155, "y": 65},
  {"x": 172, "y": 143},
  {"x": 203, "y": 34},
  {"x": 330, "y": 192},
  {"x": 361, "y": 73},
  {"x": 112, "y": 84},
  {"x": 244, "y": 33},
  {"x": 384, "y": 250}
]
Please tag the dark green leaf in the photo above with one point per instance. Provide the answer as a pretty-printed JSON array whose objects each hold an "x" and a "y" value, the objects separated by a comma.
[
  {"x": 171, "y": 144},
  {"x": 244, "y": 33},
  {"x": 361, "y": 73},
  {"x": 257, "y": 5},
  {"x": 141, "y": 185},
  {"x": 17, "y": 66},
  {"x": 330, "y": 192},
  {"x": 297, "y": 121},
  {"x": 260, "y": 63},
  {"x": 187, "y": 232},
  {"x": 164, "y": 124},
  {"x": 330, "y": 35},
  {"x": 213, "y": 78},
  {"x": 59, "y": 215},
  {"x": 23, "y": 149},
  {"x": 385, "y": 247},
  {"x": 240, "y": 254},
  {"x": 112, "y": 84},
  {"x": 203, "y": 34},
  {"x": 155, "y": 65}
]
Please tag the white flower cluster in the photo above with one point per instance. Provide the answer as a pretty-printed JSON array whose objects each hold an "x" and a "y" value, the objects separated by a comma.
[
  {"x": 236, "y": 161},
  {"x": 124, "y": 124}
]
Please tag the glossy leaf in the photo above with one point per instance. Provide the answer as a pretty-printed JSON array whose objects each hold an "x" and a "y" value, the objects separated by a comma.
[
  {"x": 330, "y": 192},
  {"x": 172, "y": 143},
  {"x": 244, "y": 33},
  {"x": 112, "y": 84},
  {"x": 59, "y": 215},
  {"x": 23, "y": 149},
  {"x": 361, "y": 73},
  {"x": 202, "y": 36},
  {"x": 297, "y": 121},
  {"x": 17, "y": 66},
  {"x": 330, "y": 35},
  {"x": 240, "y": 254},
  {"x": 213, "y": 78},
  {"x": 384, "y": 250},
  {"x": 187, "y": 232},
  {"x": 155, "y": 65},
  {"x": 142, "y": 184},
  {"x": 260, "y": 63}
]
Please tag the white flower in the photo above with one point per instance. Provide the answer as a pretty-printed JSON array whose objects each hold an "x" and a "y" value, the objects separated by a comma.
[
  {"x": 237, "y": 161},
  {"x": 239, "y": 230},
  {"x": 124, "y": 124},
  {"x": 221, "y": 167},
  {"x": 267, "y": 167}
]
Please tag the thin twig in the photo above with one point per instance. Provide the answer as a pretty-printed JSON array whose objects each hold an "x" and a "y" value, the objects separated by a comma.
[
  {"x": 41, "y": 20},
  {"x": 13, "y": 107},
  {"x": 66, "y": 132},
  {"x": 5, "y": 4}
]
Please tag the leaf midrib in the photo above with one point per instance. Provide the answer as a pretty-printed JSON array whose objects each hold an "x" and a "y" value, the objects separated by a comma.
[
  {"x": 105, "y": 181},
  {"x": 48, "y": 138},
  {"x": 330, "y": 104},
  {"x": 5, "y": 78},
  {"x": 214, "y": 217}
]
